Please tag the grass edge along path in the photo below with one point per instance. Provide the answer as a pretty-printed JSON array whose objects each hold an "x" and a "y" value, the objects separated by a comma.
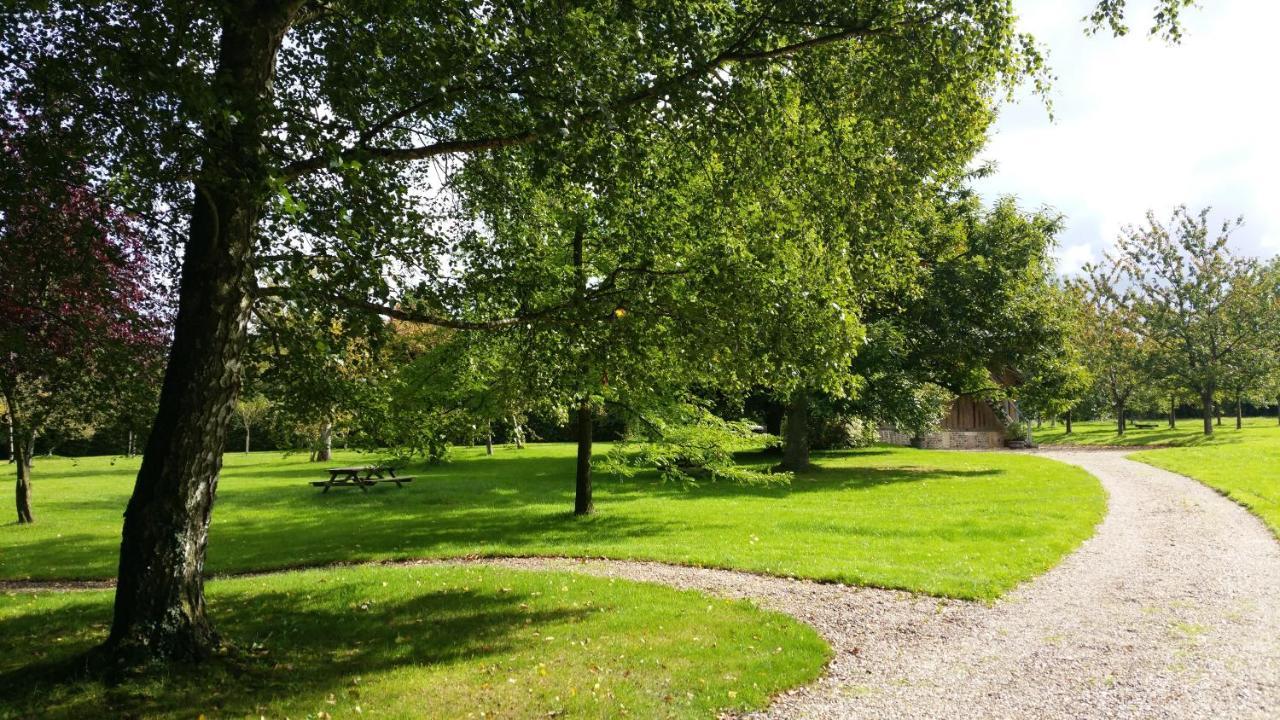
[
  {"x": 1238, "y": 464},
  {"x": 956, "y": 524},
  {"x": 1242, "y": 474},
  {"x": 428, "y": 641}
]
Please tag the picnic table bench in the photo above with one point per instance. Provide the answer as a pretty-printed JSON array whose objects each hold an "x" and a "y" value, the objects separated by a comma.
[{"x": 362, "y": 477}]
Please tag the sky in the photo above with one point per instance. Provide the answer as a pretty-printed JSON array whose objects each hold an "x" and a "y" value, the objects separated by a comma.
[{"x": 1139, "y": 124}]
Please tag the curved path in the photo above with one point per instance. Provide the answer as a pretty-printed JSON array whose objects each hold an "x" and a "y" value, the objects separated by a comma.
[{"x": 1171, "y": 610}]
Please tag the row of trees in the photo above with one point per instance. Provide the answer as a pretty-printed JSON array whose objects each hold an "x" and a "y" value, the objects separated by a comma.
[
  {"x": 1172, "y": 315},
  {"x": 612, "y": 203}
]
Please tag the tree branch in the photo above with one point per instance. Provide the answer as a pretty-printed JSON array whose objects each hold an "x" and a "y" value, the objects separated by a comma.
[{"x": 649, "y": 92}]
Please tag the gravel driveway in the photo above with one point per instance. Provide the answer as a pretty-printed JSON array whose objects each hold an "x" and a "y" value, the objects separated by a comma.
[{"x": 1172, "y": 610}]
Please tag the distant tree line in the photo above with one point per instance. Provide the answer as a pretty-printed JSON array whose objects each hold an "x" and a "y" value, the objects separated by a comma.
[{"x": 1172, "y": 318}]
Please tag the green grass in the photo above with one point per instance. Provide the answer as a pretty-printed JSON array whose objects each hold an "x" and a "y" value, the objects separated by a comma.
[
  {"x": 1190, "y": 432},
  {"x": 409, "y": 642},
  {"x": 969, "y": 525},
  {"x": 1240, "y": 464}
]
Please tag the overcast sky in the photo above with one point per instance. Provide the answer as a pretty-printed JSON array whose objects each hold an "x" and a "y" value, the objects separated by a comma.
[{"x": 1140, "y": 124}]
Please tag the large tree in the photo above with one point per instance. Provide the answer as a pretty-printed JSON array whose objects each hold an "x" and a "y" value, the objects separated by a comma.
[{"x": 293, "y": 133}]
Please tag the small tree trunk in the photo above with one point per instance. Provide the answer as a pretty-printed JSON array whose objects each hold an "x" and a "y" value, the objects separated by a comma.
[
  {"x": 1239, "y": 416},
  {"x": 795, "y": 441},
  {"x": 324, "y": 448},
  {"x": 246, "y": 438},
  {"x": 24, "y": 447},
  {"x": 1120, "y": 424},
  {"x": 1206, "y": 409},
  {"x": 583, "y": 503},
  {"x": 518, "y": 433},
  {"x": 1173, "y": 412},
  {"x": 1068, "y": 420}
]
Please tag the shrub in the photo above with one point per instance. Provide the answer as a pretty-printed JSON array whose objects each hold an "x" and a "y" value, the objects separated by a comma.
[{"x": 922, "y": 415}]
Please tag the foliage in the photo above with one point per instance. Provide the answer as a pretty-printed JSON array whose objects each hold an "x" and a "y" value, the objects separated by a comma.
[
  {"x": 687, "y": 444},
  {"x": 981, "y": 308},
  {"x": 1194, "y": 302},
  {"x": 923, "y": 415},
  {"x": 1119, "y": 358},
  {"x": 1016, "y": 431},
  {"x": 838, "y": 431},
  {"x": 80, "y": 319}
]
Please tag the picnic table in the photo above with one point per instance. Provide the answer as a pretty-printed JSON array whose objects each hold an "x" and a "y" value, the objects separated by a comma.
[{"x": 361, "y": 476}]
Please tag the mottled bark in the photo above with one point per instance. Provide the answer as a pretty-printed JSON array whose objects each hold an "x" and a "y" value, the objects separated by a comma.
[
  {"x": 24, "y": 448},
  {"x": 324, "y": 446},
  {"x": 1239, "y": 414},
  {"x": 1173, "y": 412},
  {"x": 1121, "y": 425},
  {"x": 159, "y": 604},
  {"x": 795, "y": 440},
  {"x": 517, "y": 433},
  {"x": 1068, "y": 421},
  {"x": 583, "y": 503},
  {"x": 488, "y": 438}
]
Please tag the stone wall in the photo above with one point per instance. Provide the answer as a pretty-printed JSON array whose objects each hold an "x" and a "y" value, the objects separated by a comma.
[{"x": 949, "y": 439}]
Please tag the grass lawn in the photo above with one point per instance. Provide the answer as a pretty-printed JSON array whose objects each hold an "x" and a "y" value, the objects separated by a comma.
[
  {"x": 1240, "y": 464},
  {"x": 968, "y": 525},
  {"x": 409, "y": 642},
  {"x": 1189, "y": 433}
]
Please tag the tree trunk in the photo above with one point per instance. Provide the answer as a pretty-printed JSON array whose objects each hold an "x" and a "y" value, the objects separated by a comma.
[
  {"x": 246, "y": 438},
  {"x": 324, "y": 448},
  {"x": 795, "y": 441},
  {"x": 488, "y": 439},
  {"x": 773, "y": 414},
  {"x": 1068, "y": 420},
  {"x": 1206, "y": 408},
  {"x": 1120, "y": 423},
  {"x": 582, "y": 501},
  {"x": 24, "y": 449},
  {"x": 1173, "y": 412},
  {"x": 159, "y": 602},
  {"x": 517, "y": 433},
  {"x": 22, "y": 445},
  {"x": 1239, "y": 416}
]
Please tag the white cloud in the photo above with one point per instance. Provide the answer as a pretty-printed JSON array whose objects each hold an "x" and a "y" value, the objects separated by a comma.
[{"x": 1141, "y": 125}]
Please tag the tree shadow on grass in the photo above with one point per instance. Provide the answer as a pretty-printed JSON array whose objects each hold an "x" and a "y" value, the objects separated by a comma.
[{"x": 288, "y": 646}]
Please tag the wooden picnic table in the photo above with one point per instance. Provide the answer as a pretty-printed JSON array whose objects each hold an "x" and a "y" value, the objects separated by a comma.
[{"x": 361, "y": 476}]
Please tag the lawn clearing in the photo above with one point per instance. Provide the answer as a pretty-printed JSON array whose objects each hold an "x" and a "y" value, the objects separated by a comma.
[
  {"x": 1190, "y": 432},
  {"x": 426, "y": 641},
  {"x": 962, "y": 524}
]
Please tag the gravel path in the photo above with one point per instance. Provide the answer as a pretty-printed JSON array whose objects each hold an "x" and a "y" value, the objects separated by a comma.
[{"x": 1172, "y": 610}]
